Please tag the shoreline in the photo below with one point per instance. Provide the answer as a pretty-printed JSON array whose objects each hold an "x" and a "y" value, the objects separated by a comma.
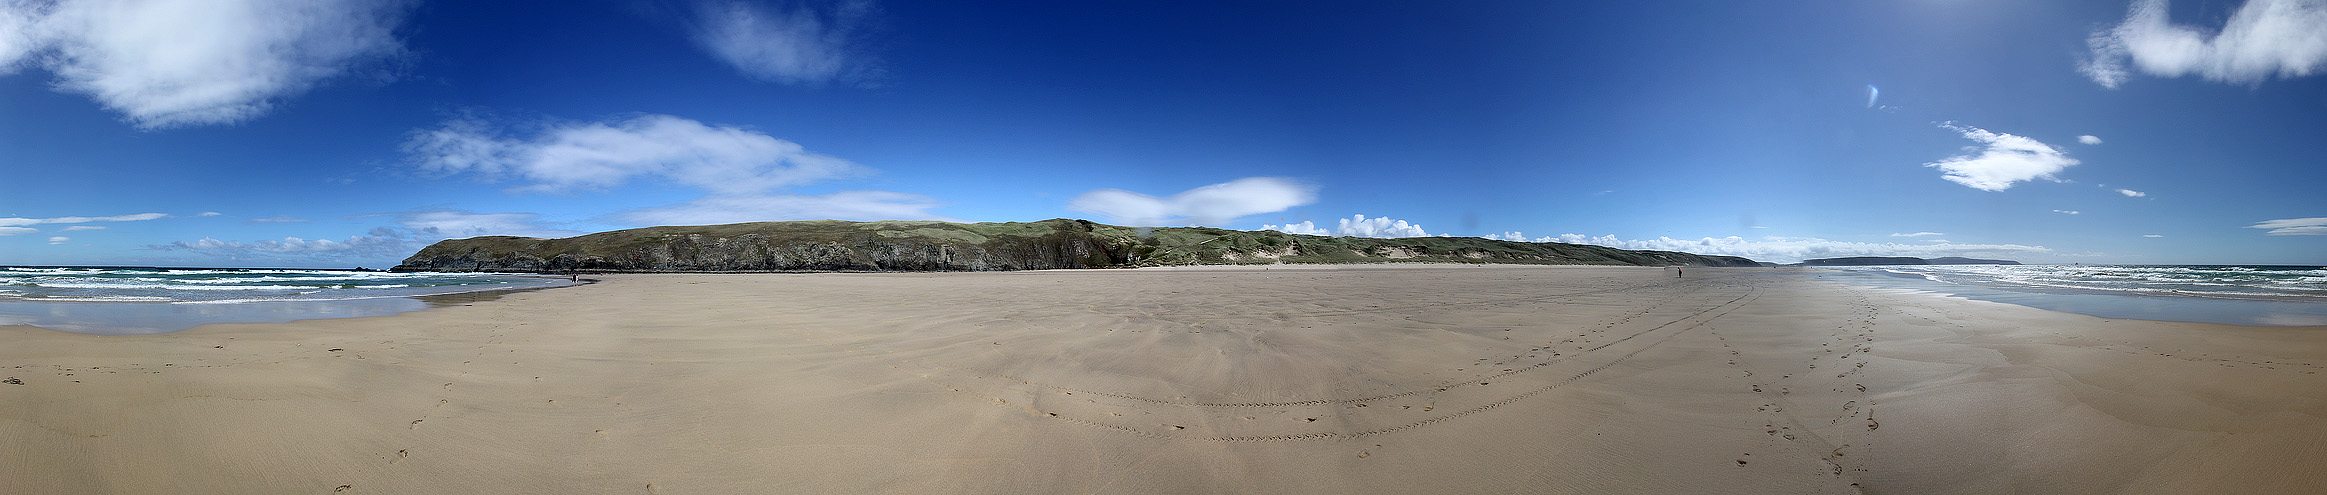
[
  {"x": 163, "y": 317},
  {"x": 1450, "y": 379},
  {"x": 2130, "y": 306},
  {"x": 2193, "y": 308}
]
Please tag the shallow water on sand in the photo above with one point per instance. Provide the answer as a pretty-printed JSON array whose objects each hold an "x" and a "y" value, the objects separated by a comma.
[{"x": 2267, "y": 296}]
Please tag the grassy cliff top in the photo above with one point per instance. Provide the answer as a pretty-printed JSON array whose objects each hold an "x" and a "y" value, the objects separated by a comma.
[{"x": 1126, "y": 246}]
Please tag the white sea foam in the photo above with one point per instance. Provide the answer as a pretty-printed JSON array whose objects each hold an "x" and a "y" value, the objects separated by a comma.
[
  {"x": 2195, "y": 281},
  {"x": 102, "y": 299},
  {"x": 231, "y": 285}
]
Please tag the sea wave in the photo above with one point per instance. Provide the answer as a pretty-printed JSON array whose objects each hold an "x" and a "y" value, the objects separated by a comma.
[
  {"x": 2215, "y": 281},
  {"x": 225, "y": 285}
]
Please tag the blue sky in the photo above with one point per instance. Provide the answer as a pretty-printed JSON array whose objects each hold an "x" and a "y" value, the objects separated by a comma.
[{"x": 335, "y": 133}]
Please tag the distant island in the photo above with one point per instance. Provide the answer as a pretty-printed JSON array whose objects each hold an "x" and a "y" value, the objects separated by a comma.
[
  {"x": 831, "y": 245},
  {"x": 1900, "y": 260}
]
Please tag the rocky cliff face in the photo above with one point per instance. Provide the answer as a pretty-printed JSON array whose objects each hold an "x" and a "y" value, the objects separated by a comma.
[{"x": 940, "y": 246}]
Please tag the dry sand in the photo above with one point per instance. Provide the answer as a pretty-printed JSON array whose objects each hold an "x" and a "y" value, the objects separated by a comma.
[{"x": 1352, "y": 380}]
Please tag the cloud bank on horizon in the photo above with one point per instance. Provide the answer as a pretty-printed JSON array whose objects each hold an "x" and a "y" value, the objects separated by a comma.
[
  {"x": 1355, "y": 226},
  {"x": 1778, "y": 249}
]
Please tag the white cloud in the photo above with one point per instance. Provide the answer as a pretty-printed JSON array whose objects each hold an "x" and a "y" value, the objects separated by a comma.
[
  {"x": 2263, "y": 39},
  {"x": 174, "y": 63},
  {"x": 1794, "y": 249},
  {"x": 83, "y": 227},
  {"x": 805, "y": 44},
  {"x": 1360, "y": 226},
  {"x": 2001, "y": 160},
  {"x": 2070, "y": 212},
  {"x": 455, "y": 224},
  {"x": 2293, "y": 226},
  {"x": 2151, "y": 235},
  {"x": 847, "y": 205},
  {"x": 59, "y": 240},
  {"x": 2089, "y": 139},
  {"x": 5, "y": 230},
  {"x": 600, "y": 155},
  {"x": 2131, "y": 193},
  {"x": 17, "y": 39},
  {"x": 209, "y": 214},
  {"x": 18, "y": 221},
  {"x": 279, "y": 219},
  {"x": 1214, "y": 205},
  {"x": 1304, "y": 228},
  {"x": 1917, "y": 234}
]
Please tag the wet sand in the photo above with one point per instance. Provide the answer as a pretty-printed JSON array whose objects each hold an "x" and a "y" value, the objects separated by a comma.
[{"x": 1445, "y": 379}]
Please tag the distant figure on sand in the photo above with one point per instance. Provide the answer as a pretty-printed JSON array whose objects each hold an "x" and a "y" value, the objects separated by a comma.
[{"x": 1676, "y": 272}]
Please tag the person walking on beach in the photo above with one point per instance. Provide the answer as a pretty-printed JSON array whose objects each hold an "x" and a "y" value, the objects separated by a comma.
[{"x": 1676, "y": 272}]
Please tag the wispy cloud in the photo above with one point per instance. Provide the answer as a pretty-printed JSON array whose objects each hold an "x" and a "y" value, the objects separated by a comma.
[
  {"x": 59, "y": 240},
  {"x": 744, "y": 171},
  {"x": 2131, "y": 193},
  {"x": 7, "y": 231},
  {"x": 800, "y": 43},
  {"x": 2293, "y": 226},
  {"x": 380, "y": 244},
  {"x": 20, "y": 222},
  {"x": 174, "y": 63},
  {"x": 453, "y": 224},
  {"x": 1356, "y": 226},
  {"x": 1917, "y": 234},
  {"x": 2067, "y": 212},
  {"x": 1214, "y": 205},
  {"x": 83, "y": 227},
  {"x": 279, "y": 219},
  {"x": 2089, "y": 139},
  {"x": 1794, "y": 249},
  {"x": 2152, "y": 235},
  {"x": 413, "y": 230},
  {"x": 573, "y": 156},
  {"x": 847, "y": 205},
  {"x": 2263, "y": 39},
  {"x": 2000, "y": 160}
]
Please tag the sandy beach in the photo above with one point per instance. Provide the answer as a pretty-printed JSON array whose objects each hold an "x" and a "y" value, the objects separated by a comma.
[{"x": 1351, "y": 379}]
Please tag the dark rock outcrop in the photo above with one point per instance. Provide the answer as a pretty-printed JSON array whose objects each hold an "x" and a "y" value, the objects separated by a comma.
[{"x": 828, "y": 245}]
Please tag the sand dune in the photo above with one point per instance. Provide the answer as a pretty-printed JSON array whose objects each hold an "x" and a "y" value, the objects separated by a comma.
[{"x": 1446, "y": 379}]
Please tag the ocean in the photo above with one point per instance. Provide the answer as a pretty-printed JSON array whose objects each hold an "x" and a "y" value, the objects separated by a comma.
[
  {"x": 124, "y": 300},
  {"x": 2232, "y": 294}
]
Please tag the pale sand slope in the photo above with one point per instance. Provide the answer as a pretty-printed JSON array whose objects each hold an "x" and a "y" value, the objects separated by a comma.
[{"x": 1373, "y": 380}]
